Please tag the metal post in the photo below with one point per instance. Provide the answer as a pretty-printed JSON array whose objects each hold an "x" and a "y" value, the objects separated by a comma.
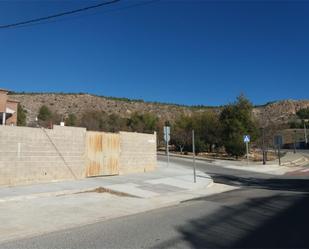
[
  {"x": 294, "y": 141},
  {"x": 247, "y": 149},
  {"x": 305, "y": 131},
  {"x": 279, "y": 156},
  {"x": 167, "y": 152},
  {"x": 263, "y": 145},
  {"x": 193, "y": 151}
]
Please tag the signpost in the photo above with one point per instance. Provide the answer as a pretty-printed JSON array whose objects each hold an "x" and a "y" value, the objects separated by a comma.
[
  {"x": 193, "y": 150},
  {"x": 246, "y": 141},
  {"x": 278, "y": 143},
  {"x": 167, "y": 138}
]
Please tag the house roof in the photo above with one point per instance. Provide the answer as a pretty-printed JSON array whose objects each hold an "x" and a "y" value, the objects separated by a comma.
[
  {"x": 13, "y": 101},
  {"x": 3, "y": 90}
]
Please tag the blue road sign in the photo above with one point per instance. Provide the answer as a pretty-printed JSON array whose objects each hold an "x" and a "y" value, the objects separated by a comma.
[{"x": 246, "y": 138}]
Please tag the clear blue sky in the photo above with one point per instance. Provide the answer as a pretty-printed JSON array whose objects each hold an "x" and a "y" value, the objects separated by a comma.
[{"x": 186, "y": 52}]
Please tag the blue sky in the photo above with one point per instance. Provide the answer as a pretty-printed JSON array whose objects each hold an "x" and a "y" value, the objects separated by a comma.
[{"x": 186, "y": 52}]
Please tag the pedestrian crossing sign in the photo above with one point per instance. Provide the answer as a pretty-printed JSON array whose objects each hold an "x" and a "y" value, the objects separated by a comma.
[{"x": 246, "y": 138}]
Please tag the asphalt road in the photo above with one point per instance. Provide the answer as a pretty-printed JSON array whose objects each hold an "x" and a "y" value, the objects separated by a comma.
[{"x": 265, "y": 212}]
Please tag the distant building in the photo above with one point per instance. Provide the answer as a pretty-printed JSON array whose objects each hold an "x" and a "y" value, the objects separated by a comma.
[
  {"x": 8, "y": 109},
  {"x": 291, "y": 136}
]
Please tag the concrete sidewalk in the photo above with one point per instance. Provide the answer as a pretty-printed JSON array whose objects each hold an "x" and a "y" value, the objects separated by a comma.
[
  {"x": 42, "y": 208},
  {"x": 144, "y": 185}
]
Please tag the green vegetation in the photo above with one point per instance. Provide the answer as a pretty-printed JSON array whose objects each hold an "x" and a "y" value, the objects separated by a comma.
[
  {"x": 101, "y": 121},
  {"x": 302, "y": 117},
  {"x": 71, "y": 120},
  {"x": 47, "y": 118},
  {"x": 21, "y": 116},
  {"x": 142, "y": 122},
  {"x": 214, "y": 131},
  {"x": 44, "y": 113},
  {"x": 303, "y": 113},
  {"x": 236, "y": 120}
]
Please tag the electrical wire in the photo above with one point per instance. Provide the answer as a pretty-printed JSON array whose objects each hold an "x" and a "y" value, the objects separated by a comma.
[{"x": 36, "y": 20}]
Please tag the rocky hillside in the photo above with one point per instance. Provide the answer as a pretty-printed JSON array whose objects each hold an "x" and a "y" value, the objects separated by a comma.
[
  {"x": 280, "y": 112},
  {"x": 64, "y": 104}
]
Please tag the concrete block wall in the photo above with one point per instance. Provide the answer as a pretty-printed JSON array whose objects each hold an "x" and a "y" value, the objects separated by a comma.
[
  {"x": 30, "y": 155},
  {"x": 138, "y": 152}
]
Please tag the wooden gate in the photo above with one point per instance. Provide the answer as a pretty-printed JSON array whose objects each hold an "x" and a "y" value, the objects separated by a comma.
[{"x": 102, "y": 153}]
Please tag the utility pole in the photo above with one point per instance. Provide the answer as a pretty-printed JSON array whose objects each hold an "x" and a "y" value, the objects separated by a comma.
[{"x": 193, "y": 151}]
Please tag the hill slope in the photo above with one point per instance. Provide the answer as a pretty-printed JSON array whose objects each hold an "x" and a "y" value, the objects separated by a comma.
[{"x": 275, "y": 113}]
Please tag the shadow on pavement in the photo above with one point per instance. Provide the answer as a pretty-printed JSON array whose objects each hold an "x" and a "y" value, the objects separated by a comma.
[
  {"x": 277, "y": 221},
  {"x": 273, "y": 183}
]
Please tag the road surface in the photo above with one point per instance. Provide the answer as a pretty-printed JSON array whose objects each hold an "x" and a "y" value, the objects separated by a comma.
[{"x": 265, "y": 212}]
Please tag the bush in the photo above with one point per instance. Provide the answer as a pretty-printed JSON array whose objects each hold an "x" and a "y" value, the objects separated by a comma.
[
  {"x": 44, "y": 113},
  {"x": 21, "y": 116},
  {"x": 71, "y": 120},
  {"x": 303, "y": 113}
]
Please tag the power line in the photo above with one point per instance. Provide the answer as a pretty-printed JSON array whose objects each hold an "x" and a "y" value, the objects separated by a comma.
[
  {"x": 129, "y": 6},
  {"x": 57, "y": 15}
]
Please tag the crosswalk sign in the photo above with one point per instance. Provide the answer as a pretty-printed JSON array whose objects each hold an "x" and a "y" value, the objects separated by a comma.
[{"x": 246, "y": 138}]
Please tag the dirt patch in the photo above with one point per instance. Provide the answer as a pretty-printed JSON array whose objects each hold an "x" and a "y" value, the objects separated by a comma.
[{"x": 106, "y": 190}]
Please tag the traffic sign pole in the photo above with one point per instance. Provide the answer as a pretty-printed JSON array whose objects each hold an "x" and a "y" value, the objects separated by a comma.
[
  {"x": 247, "y": 148},
  {"x": 247, "y": 140},
  {"x": 167, "y": 130},
  {"x": 193, "y": 150}
]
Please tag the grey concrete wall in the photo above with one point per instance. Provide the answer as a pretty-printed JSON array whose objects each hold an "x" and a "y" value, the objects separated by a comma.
[
  {"x": 138, "y": 152},
  {"x": 40, "y": 155}
]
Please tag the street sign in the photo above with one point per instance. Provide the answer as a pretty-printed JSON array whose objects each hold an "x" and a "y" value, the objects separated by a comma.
[
  {"x": 246, "y": 141},
  {"x": 167, "y": 131},
  {"x": 246, "y": 138}
]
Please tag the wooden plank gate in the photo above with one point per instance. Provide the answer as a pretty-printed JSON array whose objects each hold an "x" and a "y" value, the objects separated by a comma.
[{"x": 102, "y": 153}]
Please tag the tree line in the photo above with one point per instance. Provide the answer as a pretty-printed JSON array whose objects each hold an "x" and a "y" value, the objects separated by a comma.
[{"x": 215, "y": 131}]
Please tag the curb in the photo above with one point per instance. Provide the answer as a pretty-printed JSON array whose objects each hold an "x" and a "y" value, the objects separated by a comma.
[
  {"x": 46, "y": 194},
  {"x": 188, "y": 157},
  {"x": 295, "y": 162}
]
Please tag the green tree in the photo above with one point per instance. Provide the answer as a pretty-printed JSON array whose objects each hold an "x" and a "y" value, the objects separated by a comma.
[
  {"x": 21, "y": 116},
  {"x": 94, "y": 120},
  {"x": 101, "y": 121},
  {"x": 116, "y": 123},
  {"x": 207, "y": 129},
  {"x": 237, "y": 120},
  {"x": 303, "y": 113},
  {"x": 142, "y": 122},
  {"x": 44, "y": 113},
  {"x": 71, "y": 120},
  {"x": 181, "y": 133}
]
